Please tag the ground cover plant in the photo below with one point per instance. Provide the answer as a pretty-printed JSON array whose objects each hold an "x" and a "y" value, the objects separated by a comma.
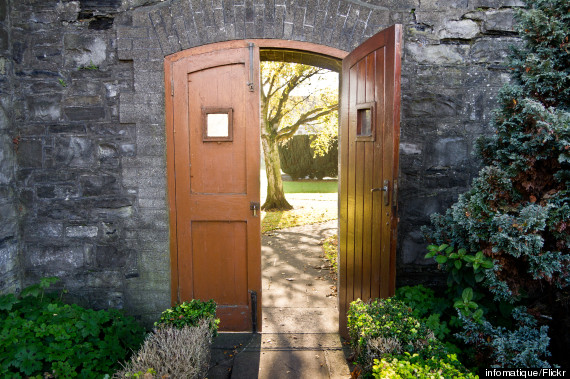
[
  {"x": 505, "y": 244},
  {"x": 42, "y": 337},
  {"x": 179, "y": 346},
  {"x": 388, "y": 340}
]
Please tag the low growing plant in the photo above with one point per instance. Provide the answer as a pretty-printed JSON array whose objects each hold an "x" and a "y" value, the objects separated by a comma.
[
  {"x": 190, "y": 313},
  {"x": 387, "y": 326},
  {"x": 413, "y": 366},
  {"x": 40, "y": 334},
  {"x": 437, "y": 313},
  {"x": 330, "y": 248},
  {"x": 172, "y": 352}
]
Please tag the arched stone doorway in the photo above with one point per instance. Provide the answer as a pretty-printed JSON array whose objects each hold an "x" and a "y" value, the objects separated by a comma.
[{"x": 215, "y": 246}]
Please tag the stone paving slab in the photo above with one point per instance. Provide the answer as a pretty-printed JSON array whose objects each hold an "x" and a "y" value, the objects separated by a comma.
[
  {"x": 299, "y": 317},
  {"x": 300, "y": 320},
  {"x": 282, "y": 364}
]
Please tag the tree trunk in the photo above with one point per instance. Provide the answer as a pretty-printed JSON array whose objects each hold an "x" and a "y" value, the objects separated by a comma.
[{"x": 275, "y": 196}]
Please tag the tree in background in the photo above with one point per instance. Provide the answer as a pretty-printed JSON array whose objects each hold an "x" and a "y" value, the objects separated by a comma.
[
  {"x": 508, "y": 237},
  {"x": 283, "y": 112}
]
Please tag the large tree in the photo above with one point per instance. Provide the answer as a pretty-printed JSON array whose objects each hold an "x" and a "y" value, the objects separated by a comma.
[{"x": 287, "y": 103}]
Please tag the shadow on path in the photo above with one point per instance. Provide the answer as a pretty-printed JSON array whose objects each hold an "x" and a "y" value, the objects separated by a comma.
[{"x": 299, "y": 318}]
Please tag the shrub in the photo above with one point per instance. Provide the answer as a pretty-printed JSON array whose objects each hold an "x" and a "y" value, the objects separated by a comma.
[
  {"x": 412, "y": 366},
  {"x": 40, "y": 334},
  {"x": 516, "y": 216},
  {"x": 190, "y": 313},
  {"x": 387, "y": 326},
  {"x": 173, "y": 352},
  {"x": 524, "y": 347},
  {"x": 299, "y": 159}
]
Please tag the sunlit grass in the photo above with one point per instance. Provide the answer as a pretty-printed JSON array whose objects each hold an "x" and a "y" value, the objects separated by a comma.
[
  {"x": 297, "y": 217},
  {"x": 311, "y": 186},
  {"x": 330, "y": 247}
]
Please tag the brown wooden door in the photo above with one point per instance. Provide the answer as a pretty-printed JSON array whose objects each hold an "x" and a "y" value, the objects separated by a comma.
[
  {"x": 215, "y": 113},
  {"x": 369, "y": 143}
]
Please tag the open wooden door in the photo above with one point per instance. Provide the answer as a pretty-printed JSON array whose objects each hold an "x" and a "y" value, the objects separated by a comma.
[
  {"x": 369, "y": 144},
  {"x": 214, "y": 180}
]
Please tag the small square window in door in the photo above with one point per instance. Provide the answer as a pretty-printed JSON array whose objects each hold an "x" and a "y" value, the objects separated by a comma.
[
  {"x": 365, "y": 121},
  {"x": 217, "y": 124}
]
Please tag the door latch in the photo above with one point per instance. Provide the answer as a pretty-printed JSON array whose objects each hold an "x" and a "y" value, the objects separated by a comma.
[
  {"x": 384, "y": 189},
  {"x": 254, "y": 207}
]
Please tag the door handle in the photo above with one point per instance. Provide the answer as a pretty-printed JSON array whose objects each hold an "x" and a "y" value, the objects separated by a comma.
[{"x": 385, "y": 189}]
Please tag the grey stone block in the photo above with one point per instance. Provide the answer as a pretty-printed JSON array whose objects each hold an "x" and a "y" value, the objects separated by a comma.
[
  {"x": 74, "y": 152},
  {"x": 437, "y": 54},
  {"x": 29, "y": 153},
  {"x": 81, "y": 231},
  {"x": 44, "y": 108},
  {"x": 55, "y": 260},
  {"x": 84, "y": 113}
]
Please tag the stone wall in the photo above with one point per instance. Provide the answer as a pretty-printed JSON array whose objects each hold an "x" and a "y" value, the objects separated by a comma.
[
  {"x": 88, "y": 107},
  {"x": 10, "y": 269}
]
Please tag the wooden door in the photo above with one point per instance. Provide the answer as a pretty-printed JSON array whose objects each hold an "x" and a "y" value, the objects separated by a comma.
[
  {"x": 369, "y": 143},
  {"x": 216, "y": 240}
]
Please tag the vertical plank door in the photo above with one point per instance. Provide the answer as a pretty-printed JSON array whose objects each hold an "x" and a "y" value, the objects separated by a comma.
[
  {"x": 369, "y": 142},
  {"x": 215, "y": 112}
]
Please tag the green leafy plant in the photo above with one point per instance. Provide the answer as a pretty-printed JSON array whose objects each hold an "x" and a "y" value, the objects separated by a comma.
[
  {"x": 464, "y": 269},
  {"x": 412, "y": 366},
  {"x": 436, "y": 312},
  {"x": 190, "y": 313},
  {"x": 39, "y": 333},
  {"x": 387, "y": 326},
  {"x": 62, "y": 83},
  {"x": 90, "y": 66}
]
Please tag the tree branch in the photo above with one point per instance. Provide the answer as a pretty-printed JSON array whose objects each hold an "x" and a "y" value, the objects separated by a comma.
[{"x": 305, "y": 118}]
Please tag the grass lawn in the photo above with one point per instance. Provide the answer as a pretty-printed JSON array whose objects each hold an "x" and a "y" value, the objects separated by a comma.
[{"x": 311, "y": 186}]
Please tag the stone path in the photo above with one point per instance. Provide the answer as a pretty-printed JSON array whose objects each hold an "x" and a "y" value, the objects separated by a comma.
[{"x": 300, "y": 315}]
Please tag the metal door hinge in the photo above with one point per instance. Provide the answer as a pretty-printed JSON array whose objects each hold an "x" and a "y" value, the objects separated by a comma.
[{"x": 250, "y": 83}]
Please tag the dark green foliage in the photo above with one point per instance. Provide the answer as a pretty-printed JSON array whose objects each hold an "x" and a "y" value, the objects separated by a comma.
[
  {"x": 40, "y": 333},
  {"x": 517, "y": 213},
  {"x": 436, "y": 312},
  {"x": 190, "y": 313},
  {"x": 526, "y": 346},
  {"x": 298, "y": 159},
  {"x": 413, "y": 366}
]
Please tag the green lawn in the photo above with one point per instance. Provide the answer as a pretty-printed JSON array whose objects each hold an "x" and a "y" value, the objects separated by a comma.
[{"x": 311, "y": 186}]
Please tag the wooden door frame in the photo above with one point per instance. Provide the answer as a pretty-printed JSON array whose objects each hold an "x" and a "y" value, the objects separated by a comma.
[{"x": 293, "y": 51}]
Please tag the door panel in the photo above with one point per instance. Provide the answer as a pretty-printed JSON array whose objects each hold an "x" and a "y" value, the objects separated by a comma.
[
  {"x": 217, "y": 167},
  {"x": 216, "y": 159},
  {"x": 369, "y": 142}
]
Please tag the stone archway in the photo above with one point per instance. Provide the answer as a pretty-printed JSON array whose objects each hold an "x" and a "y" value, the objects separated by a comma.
[{"x": 147, "y": 34}]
